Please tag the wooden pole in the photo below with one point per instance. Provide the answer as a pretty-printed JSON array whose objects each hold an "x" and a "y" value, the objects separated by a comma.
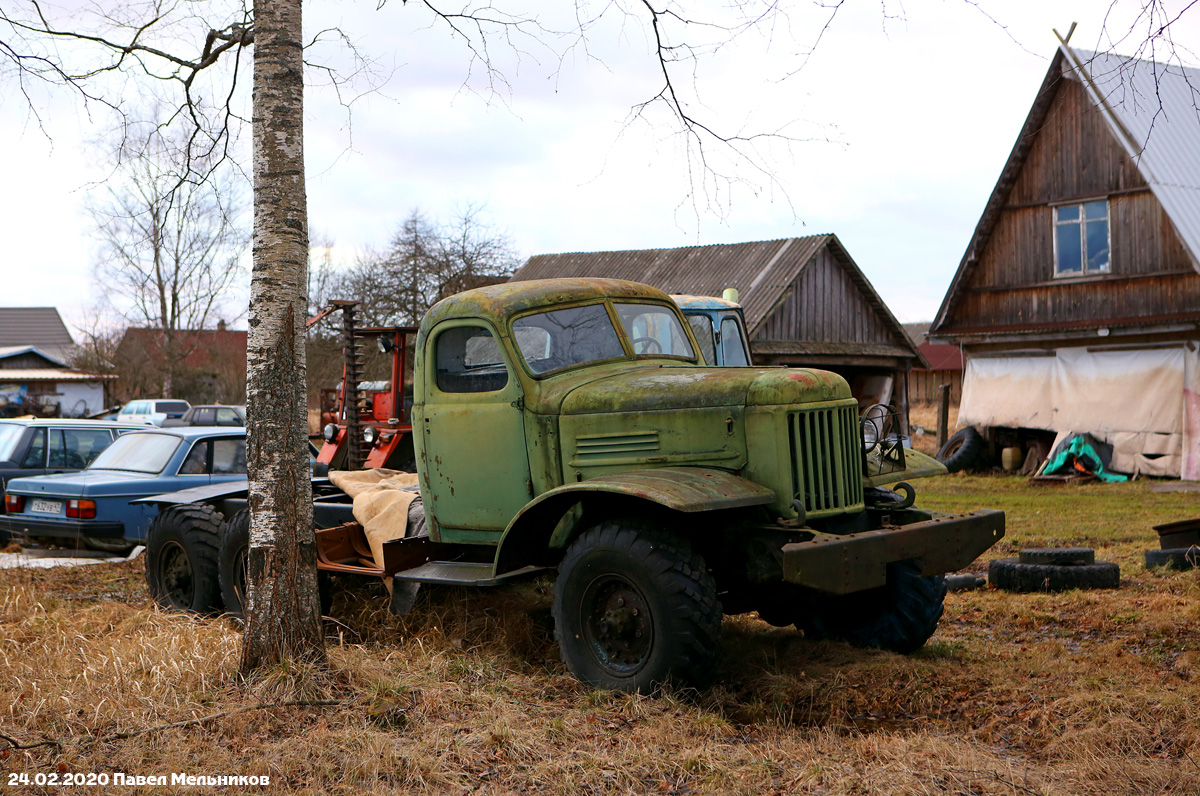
[{"x": 943, "y": 416}]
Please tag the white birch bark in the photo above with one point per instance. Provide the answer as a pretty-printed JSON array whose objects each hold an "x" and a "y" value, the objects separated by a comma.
[{"x": 283, "y": 619}]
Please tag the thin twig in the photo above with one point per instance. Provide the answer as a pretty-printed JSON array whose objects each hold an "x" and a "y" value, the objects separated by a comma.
[
  {"x": 188, "y": 722},
  {"x": 17, "y": 745}
]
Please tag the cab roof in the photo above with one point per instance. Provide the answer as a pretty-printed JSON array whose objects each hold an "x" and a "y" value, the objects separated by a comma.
[{"x": 499, "y": 302}]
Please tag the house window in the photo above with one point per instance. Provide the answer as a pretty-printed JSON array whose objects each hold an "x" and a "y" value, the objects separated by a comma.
[{"x": 1081, "y": 239}]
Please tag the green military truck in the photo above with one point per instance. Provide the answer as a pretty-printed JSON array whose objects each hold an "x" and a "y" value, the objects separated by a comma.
[{"x": 569, "y": 424}]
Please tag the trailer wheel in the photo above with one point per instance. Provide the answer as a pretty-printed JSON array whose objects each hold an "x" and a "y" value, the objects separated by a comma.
[
  {"x": 181, "y": 558},
  {"x": 235, "y": 542},
  {"x": 899, "y": 616},
  {"x": 1012, "y": 575},
  {"x": 962, "y": 450},
  {"x": 635, "y": 608},
  {"x": 235, "y": 548}
]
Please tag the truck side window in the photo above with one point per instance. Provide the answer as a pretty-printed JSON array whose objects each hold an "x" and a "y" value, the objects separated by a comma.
[
  {"x": 702, "y": 328},
  {"x": 733, "y": 353},
  {"x": 468, "y": 360}
]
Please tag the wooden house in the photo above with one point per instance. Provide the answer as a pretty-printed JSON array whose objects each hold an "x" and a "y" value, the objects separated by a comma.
[
  {"x": 1077, "y": 302},
  {"x": 807, "y": 304},
  {"x": 945, "y": 367}
]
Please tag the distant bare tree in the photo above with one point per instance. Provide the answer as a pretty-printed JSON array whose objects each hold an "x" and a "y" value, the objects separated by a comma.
[
  {"x": 426, "y": 261},
  {"x": 169, "y": 246}
]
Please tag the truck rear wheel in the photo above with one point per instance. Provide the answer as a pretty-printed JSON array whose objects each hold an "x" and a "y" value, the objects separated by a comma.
[
  {"x": 635, "y": 608},
  {"x": 181, "y": 558},
  {"x": 899, "y": 616},
  {"x": 235, "y": 542}
]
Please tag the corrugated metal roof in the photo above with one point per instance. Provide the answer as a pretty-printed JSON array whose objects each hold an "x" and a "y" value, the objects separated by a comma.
[
  {"x": 760, "y": 271},
  {"x": 37, "y": 326},
  {"x": 7, "y": 352},
  {"x": 1153, "y": 109}
]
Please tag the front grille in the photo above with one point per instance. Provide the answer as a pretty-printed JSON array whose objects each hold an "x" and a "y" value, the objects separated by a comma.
[{"x": 826, "y": 459}]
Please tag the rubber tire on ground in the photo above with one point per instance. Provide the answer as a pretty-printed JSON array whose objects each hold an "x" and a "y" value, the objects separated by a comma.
[
  {"x": 1011, "y": 575},
  {"x": 235, "y": 545},
  {"x": 181, "y": 558},
  {"x": 899, "y": 616},
  {"x": 1174, "y": 558},
  {"x": 1063, "y": 556},
  {"x": 650, "y": 585},
  {"x": 962, "y": 450},
  {"x": 235, "y": 542}
]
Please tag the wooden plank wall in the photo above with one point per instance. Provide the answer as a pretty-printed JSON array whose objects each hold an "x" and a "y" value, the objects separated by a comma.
[
  {"x": 825, "y": 304},
  {"x": 1075, "y": 158},
  {"x": 923, "y": 385}
]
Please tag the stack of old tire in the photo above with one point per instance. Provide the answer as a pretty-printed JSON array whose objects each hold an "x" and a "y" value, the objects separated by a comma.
[
  {"x": 1180, "y": 546},
  {"x": 1045, "y": 569}
]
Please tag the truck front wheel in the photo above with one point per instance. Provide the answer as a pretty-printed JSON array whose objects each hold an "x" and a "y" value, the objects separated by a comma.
[
  {"x": 635, "y": 608},
  {"x": 900, "y": 616}
]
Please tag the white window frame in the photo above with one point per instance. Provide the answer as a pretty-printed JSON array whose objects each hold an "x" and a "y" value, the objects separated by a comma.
[{"x": 1081, "y": 223}]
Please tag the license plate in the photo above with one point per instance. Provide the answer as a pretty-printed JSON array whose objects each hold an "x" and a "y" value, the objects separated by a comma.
[{"x": 46, "y": 506}]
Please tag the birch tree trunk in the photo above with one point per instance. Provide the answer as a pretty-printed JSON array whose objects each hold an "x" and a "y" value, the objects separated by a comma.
[{"x": 284, "y": 617}]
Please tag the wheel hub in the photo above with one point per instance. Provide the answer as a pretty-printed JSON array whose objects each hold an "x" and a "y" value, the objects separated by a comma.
[{"x": 617, "y": 624}]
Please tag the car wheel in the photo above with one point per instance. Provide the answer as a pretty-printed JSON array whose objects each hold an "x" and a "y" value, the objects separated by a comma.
[
  {"x": 635, "y": 608},
  {"x": 899, "y": 616},
  {"x": 181, "y": 558},
  {"x": 962, "y": 450}
]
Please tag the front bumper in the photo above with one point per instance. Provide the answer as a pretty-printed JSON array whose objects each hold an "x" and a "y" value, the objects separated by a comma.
[
  {"x": 841, "y": 564},
  {"x": 21, "y": 525}
]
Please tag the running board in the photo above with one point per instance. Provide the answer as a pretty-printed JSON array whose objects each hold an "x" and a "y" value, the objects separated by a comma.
[{"x": 460, "y": 573}]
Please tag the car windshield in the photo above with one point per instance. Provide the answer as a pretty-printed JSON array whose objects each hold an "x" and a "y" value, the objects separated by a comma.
[
  {"x": 654, "y": 330},
  {"x": 10, "y": 435},
  {"x": 561, "y": 338},
  {"x": 137, "y": 453}
]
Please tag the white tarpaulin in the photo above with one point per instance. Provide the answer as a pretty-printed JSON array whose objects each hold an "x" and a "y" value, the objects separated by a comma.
[{"x": 1144, "y": 403}]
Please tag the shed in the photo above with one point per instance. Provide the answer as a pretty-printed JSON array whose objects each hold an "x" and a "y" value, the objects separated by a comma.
[
  {"x": 807, "y": 304},
  {"x": 945, "y": 367},
  {"x": 1077, "y": 301}
]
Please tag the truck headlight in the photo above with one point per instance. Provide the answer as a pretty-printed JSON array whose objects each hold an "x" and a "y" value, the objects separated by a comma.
[
  {"x": 370, "y": 434},
  {"x": 329, "y": 432}
]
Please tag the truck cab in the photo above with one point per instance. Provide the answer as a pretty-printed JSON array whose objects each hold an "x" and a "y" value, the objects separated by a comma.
[{"x": 719, "y": 326}]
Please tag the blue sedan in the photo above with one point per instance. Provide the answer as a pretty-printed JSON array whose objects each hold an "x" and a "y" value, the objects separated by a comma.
[{"x": 94, "y": 506}]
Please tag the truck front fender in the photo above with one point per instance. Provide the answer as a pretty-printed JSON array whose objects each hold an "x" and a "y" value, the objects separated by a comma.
[{"x": 549, "y": 522}]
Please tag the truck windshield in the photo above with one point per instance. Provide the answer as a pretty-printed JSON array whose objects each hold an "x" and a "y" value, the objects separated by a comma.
[
  {"x": 561, "y": 338},
  {"x": 654, "y": 330}
]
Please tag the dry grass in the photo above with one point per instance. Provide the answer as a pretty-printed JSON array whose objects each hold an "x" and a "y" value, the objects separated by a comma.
[
  {"x": 1077, "y": 693},
  {"x": 922, "y": 420}
]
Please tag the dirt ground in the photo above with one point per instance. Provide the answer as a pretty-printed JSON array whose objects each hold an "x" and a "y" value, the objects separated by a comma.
[{"x": 922, "y": 422}]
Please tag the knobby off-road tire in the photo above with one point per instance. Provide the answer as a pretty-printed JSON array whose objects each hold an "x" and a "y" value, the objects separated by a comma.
[
  {"x": 181, "y": 558},
  {"x": 899, "y": 616},
  {"x": 635, "y": 608},
  {"x": 1011, "y": 575},
  {"x": 232, "y": 556},
  {"x": 962, "y": 450},
  {"x": 235, "y": 544}
]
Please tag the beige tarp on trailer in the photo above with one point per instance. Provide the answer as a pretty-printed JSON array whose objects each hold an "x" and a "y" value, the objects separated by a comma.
[{"x": 1145, "y": 403}]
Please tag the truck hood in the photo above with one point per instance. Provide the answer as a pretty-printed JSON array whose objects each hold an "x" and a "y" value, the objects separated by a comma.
[
  {"x": 87, "y": 482},
  {"x": 689, "y": 387}
]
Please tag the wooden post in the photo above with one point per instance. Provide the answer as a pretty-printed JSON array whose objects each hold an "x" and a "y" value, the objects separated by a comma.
[{"x": 943, "y": 416}]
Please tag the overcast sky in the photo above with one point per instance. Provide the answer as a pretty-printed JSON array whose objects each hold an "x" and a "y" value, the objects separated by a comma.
[{"x": 901, "y": 120}]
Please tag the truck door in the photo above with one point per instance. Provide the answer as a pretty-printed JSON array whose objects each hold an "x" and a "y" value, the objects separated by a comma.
[{"x": 476, "y": 469}]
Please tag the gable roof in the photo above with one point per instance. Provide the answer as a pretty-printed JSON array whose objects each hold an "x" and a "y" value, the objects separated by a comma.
[
  {"x": 33, "y": 326},
  {"x": 763, "y": 272},
  {"x": 8, "y": 352},
  {"x": 1152, "y": 111}
]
